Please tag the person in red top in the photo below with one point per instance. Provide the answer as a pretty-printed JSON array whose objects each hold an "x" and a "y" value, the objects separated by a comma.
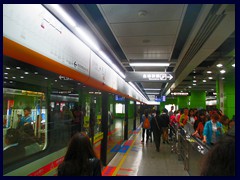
[{"x": 199, "y": 131}]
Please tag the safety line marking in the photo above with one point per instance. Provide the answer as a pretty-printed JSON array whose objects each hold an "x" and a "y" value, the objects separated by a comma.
[
  {"x": 108, "y": 171},
  {"x": 124, "y": 157},
  {"x": 126, "y": 169}
]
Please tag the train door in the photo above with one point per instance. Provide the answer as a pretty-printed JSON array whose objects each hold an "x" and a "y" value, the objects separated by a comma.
[
  {"x": 91, "y": 102},
  {"x": 24, "y": 123}
]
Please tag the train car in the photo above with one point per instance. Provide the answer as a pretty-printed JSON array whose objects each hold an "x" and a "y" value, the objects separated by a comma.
[{"x": 52, "y": 78}]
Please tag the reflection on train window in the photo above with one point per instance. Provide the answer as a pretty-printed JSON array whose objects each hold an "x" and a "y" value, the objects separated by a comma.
[{"x": 24, "y": 123}]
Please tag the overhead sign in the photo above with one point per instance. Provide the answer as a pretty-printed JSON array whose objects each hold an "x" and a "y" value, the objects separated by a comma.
[
  {"x": 150, "y": 76},
  {"x": 160, "y": 99}
]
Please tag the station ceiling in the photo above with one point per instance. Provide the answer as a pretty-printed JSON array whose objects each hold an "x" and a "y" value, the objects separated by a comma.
[{"x": 192, "y": 38}]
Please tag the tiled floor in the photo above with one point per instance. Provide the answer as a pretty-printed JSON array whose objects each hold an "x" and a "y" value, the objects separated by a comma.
[{"x": 141, "y": 159}]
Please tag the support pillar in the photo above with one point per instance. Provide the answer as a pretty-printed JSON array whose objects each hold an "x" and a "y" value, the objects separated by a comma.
[
  {"x": 182, "y": 101},
  {"x": 126, "y": 120},
  {"x": 104, "y": 128},
  {"x": 198, "y": 99},
  {"x": 135, "y": 116}
]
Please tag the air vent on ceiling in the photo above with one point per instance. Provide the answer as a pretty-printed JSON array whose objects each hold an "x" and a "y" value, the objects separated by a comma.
[{"x": 208, "y": 27}]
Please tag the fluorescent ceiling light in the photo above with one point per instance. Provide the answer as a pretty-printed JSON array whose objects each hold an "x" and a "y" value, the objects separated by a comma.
[
  {"x": 134, "y": 87},
  {"x": 152, "y": 103},
  {"x": 151, "y": 89},
  {"x": 209, "y": 72},
  {"x": 149, "y": 64},
  {"x": 204, "y": 80},
  {"x": 85, "y": 37},
  {"x": 219, "y": 65},
  {"x": 222, "y": 71},
  {"x": 63, "y": 14},
  {"x": 103, "y": 55},
  {"x": 117, "y": 70},
  {"x": 152, "y": 93},
  {"x": 111, "y": 64},
  {"x": 233, "y": 65}
]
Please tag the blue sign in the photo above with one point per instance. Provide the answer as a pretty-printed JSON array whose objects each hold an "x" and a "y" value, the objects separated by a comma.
[
  {"x": 160, "y": 99},
  {"x": 119, "y": 98}
]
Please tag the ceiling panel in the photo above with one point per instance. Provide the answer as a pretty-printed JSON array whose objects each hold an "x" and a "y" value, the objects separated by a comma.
[
  {"x": 148, "y": 69},
  {"x": 148, "y": 49},
  {"x": 148, "y": 56},
  {"x": 146, "y": 28},
  {"x": 151, "y": 12},
  {"x": 146, "y": 41},
  {"x": 156, "y": 85}
]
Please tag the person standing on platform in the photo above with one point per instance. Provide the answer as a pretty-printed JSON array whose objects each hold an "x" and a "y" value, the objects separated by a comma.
[
  {"x": 80, "y": 159},
  {"x": 171, "y": 111},
  {"x": 145, "y": 126},
  {"x": 184, "y": 118},
  {"x": 212, "y": 130},
  {"x": 153, "y": 115},
  {"x": 164, "y": 123},
  {"x": 157, "y": 130}
]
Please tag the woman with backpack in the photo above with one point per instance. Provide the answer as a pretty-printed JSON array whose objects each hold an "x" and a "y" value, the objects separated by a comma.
[{"x": 145, "y": 126}]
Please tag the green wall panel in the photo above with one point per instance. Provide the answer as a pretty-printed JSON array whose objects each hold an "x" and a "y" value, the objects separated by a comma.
[
  {"x": 198, "y": 99},
  {"x": 182, "y": 101},
  {"x": 130, "y": 109},
  {"x": 229, "y": 94}
]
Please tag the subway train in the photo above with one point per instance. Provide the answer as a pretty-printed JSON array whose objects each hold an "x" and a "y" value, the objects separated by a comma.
[
  {"x": 53, "y": 98},
  {"x": 81, "y": 67}
]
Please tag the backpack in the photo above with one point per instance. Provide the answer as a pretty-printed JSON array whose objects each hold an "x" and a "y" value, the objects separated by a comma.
[{"x": 146, "y": 124}]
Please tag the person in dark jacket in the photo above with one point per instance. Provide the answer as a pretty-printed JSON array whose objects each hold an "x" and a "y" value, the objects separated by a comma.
[
  {"x": 80, "y": 159},
  {"x": 164, "y": 123},
  {"x": 157, "y": 131}
]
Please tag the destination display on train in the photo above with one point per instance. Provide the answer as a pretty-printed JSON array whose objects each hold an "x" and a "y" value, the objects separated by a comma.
[{"x": 150, "y": 76}]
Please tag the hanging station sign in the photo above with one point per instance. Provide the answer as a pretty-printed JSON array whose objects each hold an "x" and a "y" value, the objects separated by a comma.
[
  {"x": 150, "y": 76},
  {"x": 180, "y": 93}
]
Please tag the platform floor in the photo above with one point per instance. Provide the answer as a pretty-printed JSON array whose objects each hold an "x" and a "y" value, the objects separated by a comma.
[{"x": 141, "y": 159}]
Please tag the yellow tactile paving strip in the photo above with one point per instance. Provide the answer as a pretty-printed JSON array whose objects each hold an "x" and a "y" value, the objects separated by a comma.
[{"x": 141, "y": 159}]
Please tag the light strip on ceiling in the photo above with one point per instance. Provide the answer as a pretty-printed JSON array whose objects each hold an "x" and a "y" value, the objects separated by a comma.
[
  {"x": 149, "y": 64},
  {"x": 151, "y": 89},
  {"x": 152, "y": 93},
  {"x": 106, "y": 58},
  {"x": 63, "y": 14},
  {"x": 88, "y": 40},
  {"x": 134, "y": 87}
]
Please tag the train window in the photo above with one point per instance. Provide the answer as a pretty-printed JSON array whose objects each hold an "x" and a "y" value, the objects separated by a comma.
[{"x": 24, "y": 123}]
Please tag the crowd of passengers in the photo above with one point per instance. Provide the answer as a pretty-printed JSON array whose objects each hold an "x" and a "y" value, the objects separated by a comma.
[{"x": 208, "y": 126}]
